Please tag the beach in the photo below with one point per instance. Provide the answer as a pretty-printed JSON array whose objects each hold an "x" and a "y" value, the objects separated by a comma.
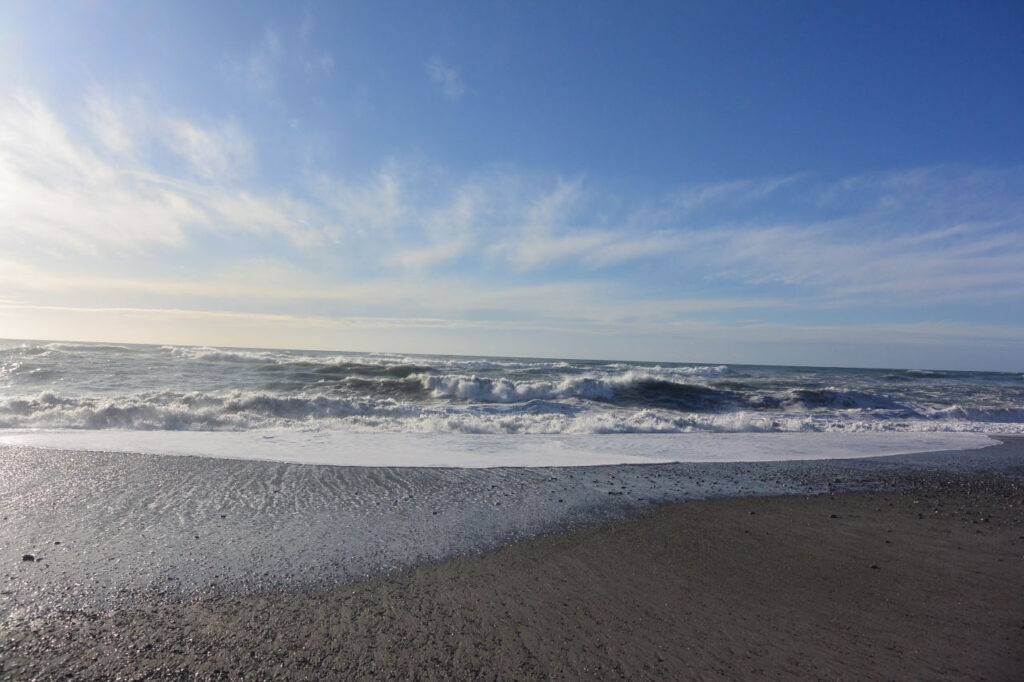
[
  {"x": 888, "y": 568},
  {"x": 511, "y": 341}
]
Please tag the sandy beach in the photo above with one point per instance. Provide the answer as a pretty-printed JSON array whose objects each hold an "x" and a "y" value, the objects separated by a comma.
[
  {"x": 511, "y": 341},
  {"x": 919, "y": 577}
]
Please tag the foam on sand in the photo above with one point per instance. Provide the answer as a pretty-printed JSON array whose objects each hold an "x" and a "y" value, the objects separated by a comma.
[{"x": 341, "y": 448}]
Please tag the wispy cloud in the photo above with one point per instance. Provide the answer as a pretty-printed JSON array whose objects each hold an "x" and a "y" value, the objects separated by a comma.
[
  {"x": 278, "y": 287},
  {"x": 446, "y": 232},
  {"x": 852, "y": 261},
  {"x": 56, "y": 188},
  {"x": 321, "y": 63},
  {"x": 497, "y": 245},
  {"x": 220, "y": 152},
  {"x": 109, "y": 122},
  {"x": 447, "y": 78},
  {"x": 369, "y": 209},
  {"x": 741, "y": 191},
  {"x": 922, "y": 236},
  {"x": 277, "y": 55},
  {"x": 260, "y": 71}
]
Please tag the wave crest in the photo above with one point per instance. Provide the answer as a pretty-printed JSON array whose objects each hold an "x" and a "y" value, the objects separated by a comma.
[{"x": 633, "y": 388}]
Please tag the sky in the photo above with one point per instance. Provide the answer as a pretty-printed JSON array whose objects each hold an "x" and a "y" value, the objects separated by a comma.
[{"x": 805, "y": 183}]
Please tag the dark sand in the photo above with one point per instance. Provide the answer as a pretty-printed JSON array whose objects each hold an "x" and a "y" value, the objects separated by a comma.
[{"x": 922, "y": 582}]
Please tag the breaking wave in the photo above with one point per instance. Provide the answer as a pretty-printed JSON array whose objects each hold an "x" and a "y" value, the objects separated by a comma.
[{"x": 85, "y": 386}]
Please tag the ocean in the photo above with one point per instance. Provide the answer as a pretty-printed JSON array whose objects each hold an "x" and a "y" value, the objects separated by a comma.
[{"x": 320, "y": 407}]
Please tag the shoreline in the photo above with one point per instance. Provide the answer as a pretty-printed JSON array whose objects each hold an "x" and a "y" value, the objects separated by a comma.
[
  {"x": 228, "y": 568},
  {"x": 923, "y": 581},
  {"x": 114, "y": 529},
  {"x": 490, "y": 450}
]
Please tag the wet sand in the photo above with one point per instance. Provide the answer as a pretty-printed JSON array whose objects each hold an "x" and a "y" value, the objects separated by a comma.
[
  {"x": 921, "y": 580},
  {"x": 113, "y": 530}
]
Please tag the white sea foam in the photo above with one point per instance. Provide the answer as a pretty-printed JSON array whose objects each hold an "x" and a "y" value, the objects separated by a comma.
[
  {"x": 488, "y": 407},
  {"x": 508, "y": 391},
  {"x": 456, "y": 450}
]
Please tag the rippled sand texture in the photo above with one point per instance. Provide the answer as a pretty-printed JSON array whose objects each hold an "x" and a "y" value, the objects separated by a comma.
[
  {"x": 114, "y": 529},
  {"x": 923, "y": 582}
]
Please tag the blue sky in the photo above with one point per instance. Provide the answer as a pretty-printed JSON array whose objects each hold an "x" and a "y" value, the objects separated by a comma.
[{"x": 797, "y": 183}]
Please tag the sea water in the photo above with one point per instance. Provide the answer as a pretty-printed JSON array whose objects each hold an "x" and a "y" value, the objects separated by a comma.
[{"x": 397, "y": 409}]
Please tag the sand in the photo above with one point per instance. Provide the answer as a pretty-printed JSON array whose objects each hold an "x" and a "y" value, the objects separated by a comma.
[{"x": 923, "y": 580}]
